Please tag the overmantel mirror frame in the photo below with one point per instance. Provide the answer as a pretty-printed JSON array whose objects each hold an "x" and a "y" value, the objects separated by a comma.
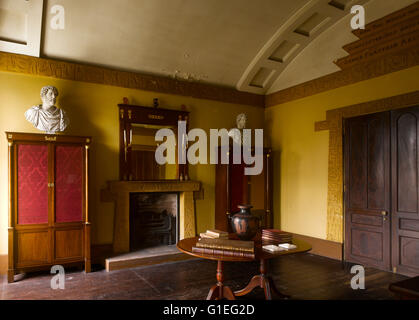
[{"x": 132, "y": 116}]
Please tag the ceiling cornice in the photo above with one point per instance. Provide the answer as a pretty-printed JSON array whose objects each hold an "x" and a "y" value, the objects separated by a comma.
[
  {"x": 387, "y": 64},
  {"x": 10, "y": 62}
]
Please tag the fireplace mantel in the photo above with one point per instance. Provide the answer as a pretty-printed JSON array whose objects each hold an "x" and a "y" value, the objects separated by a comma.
[{"x": 119, "y": 192}]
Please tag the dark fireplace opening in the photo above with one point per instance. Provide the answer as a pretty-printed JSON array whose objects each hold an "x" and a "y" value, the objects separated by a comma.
[{"x": 153, "y": 220}]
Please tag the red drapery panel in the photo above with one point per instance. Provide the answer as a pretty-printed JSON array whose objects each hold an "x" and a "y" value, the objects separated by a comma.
[
  {"x": 32, "y": 181},
  {"x": 68, "y": 184}
]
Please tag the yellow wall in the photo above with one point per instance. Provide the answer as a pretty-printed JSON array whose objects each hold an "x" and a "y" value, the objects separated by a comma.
[
  {"x": 93, "y": 112},
  {"x": 301, "y": 154}
]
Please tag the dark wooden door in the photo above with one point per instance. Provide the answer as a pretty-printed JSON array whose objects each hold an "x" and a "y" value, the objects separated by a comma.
[
  {"x": 405, "y": 194},
  {"x": 367, "y": 190}
]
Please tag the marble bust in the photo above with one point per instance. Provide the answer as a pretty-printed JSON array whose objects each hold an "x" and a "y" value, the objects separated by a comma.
[
  {"x": 47, "y": 117},
  {"x": 237, "y": 133}
]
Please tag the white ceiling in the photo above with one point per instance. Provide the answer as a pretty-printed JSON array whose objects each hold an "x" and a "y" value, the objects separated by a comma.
[
  {"x": 207, "y": 40},
  {"x": 211, "y": 41}
]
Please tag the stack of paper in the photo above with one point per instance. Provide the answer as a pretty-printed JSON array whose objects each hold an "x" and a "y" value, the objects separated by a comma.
[
  {"x": 272, "y": 248},
  {"x": 278, "y": 248},
  {"x": 287, "y": 246}
]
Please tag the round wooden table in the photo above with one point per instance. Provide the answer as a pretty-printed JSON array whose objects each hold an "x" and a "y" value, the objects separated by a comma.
[{"x": 263, "y": 280}]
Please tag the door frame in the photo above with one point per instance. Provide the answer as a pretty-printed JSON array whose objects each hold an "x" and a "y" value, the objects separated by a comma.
[{"x": 334, "y": 123}]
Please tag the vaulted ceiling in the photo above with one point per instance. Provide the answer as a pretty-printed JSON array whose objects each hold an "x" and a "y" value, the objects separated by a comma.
[{"x": 255, "y": 46}]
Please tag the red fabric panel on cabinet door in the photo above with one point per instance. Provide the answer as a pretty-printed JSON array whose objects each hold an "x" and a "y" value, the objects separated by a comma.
[
  {"x": 68, "y": 184},
  {"x": 32, "y": 182}
]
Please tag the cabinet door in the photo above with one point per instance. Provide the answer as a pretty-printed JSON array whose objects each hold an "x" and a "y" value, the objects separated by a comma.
[
  {"x": 32, "y": 184},
  {"x": 69, "y": 183}
]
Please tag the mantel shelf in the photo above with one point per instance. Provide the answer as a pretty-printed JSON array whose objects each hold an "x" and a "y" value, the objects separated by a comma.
[{"x": 115, "y": 187}]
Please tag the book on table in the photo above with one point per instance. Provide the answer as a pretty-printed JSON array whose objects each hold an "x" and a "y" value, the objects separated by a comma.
[
  {"x": 217, "y": 233},
  {"x": 225, "y": 244},
  {"x": 276, "y": 236},
  {"x": 213, "y": 236},
  {"x": 276, "y": 233},
  {"x": 224, "y": 252}
]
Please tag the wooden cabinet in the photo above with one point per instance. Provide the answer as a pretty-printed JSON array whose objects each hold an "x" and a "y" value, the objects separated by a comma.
[
  {"x": 233, "y": 187},
  {"x": 48, "y": 202}
]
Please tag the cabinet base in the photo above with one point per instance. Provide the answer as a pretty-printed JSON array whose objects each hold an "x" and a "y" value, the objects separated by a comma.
[{"x": 12, "y": 272}]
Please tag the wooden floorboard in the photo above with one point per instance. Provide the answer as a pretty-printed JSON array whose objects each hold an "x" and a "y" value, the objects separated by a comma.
[{"x": 303, "y": 276}]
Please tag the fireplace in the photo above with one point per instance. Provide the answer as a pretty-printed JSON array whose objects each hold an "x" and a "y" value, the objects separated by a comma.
[
  {"x": 153, "y": 220},
  {"x": 120, "y": 192}
]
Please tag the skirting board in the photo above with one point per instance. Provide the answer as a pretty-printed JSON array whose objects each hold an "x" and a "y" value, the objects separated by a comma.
[{"x": 325, "y": 248}]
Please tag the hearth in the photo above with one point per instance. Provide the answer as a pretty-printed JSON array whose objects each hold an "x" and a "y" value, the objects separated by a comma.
[
  {"x": 154, "y": 220},
  {"x": 120, "y": 192}
]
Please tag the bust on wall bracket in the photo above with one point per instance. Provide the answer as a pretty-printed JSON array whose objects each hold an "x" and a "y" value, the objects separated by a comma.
[
  {"x": 237, "y": 133},
  {"x": 47, "y": 117}
]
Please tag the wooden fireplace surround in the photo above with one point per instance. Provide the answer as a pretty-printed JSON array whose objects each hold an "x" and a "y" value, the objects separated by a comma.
[{"x": 119, "y": 192}]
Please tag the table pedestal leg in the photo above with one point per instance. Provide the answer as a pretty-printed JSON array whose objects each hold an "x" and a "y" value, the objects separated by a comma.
[
  {"x": 263, "y": 281},
  {"x": 220, "y": 291}
]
